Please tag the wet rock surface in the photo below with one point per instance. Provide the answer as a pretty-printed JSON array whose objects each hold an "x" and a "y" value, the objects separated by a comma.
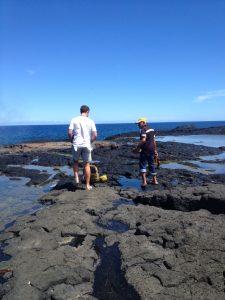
[
  {"x": 162, "y": 254},
  {"x": 167, "y": 242}
]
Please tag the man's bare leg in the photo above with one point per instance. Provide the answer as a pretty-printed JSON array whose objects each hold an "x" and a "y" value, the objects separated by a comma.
[
  {"x": 144, "y": 180},
  {"x": 75, "y": 171},
  {"x": 87, "y": 174},
  {"x": 154, "y": 180}
]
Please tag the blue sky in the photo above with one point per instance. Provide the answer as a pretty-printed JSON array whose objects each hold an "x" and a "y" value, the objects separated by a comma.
[{"x": 163, "y": 59}]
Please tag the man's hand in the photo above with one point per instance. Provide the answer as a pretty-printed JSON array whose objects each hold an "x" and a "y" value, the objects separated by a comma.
[
  {"x": 156, "y": 155},
  {"x": 136, "y": 150}
]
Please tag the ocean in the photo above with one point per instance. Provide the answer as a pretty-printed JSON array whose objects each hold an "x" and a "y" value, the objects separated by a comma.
[{"x": 18, "y": 134}]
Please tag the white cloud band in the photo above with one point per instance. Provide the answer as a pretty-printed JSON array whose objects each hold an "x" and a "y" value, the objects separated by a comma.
[{"x": 210, "y": 95}]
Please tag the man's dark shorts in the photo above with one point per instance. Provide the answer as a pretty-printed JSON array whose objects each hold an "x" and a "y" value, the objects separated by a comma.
[{"x": 83, "y": 152}]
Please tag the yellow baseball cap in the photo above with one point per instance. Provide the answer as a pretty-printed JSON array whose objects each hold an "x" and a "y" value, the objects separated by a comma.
[{"x": 144, "y": 120}]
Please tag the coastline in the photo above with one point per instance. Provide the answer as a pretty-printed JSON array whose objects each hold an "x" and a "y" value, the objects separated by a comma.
[{"x": 54, "y": 253}]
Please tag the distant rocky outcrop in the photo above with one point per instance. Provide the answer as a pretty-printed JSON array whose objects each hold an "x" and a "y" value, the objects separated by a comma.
[
  {"x": 192, "y": 130},
  {"x": 179, "y": 130}
]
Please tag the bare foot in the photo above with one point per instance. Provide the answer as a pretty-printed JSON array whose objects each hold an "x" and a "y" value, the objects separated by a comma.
[
  {"x": 144, "y": 185},
  {"x": 88, "y": 188},
  {"x": 155, "y": 182}
]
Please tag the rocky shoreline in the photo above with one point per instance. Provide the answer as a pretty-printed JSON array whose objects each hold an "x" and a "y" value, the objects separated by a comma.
[
  {"x": 180, "y": 130},
  {"x": 165, "y": 243}
]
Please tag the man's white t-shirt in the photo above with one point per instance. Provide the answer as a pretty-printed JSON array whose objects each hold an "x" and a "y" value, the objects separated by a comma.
[{"x": 82, "y": 127}]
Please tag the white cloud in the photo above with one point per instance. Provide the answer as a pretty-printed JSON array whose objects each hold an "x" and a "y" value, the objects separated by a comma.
[
  {"x": 209, "y": 95},
  {"x": 31, "y": 72}
]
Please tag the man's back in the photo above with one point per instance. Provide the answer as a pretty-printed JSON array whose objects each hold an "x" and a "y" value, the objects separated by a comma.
[{"x": 82, "y": 127}]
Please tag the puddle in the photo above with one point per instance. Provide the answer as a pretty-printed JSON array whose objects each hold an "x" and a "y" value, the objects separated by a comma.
[
  {"x": 135, "y": 183},
  {"x": 210, "y": 167},
  {"x": 130, "y": 183},
  {"x": 3, "y": 256},
  {"x": 110, "y": 282},
  {"x": 201, "y": 167},
  {"x": 17, "y": 199},
  {"x": 8, "y": 225},
  {"x": 113, "y": 225},
  {"x": 130, "y": 143},
  {"x": 2, "y": 280},
  {"x": 52, "y": 171},
  {"x": 204, "y": 139},
  {"x": 218, "y": 157},
  {"x": 174, "y": 166}
]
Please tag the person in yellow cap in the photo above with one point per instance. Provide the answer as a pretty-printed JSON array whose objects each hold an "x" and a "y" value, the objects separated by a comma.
[{"x": 147, "y": 149}]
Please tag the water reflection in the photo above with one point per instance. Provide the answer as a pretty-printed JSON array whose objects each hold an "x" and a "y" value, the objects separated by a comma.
[
  {"x": 16, "y": 198},
  {"x": 51, "y": 170},
  {"x": 218, "y": 157},
  {"x": 201, "y": 167},
  {"x": 210, "y": 167},
  {"x": 130, "y": 183},
  {"x": 173, "y": 166},
  {"x": 204, "y": 139}
]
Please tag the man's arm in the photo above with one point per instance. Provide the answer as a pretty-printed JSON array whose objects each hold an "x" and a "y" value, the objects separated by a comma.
[
  {"x": 155, "y": 151},
  {"x": 70, "y": 135},
  {"x": 93, "y": 136},
  {"x": 140, "y": 144}
]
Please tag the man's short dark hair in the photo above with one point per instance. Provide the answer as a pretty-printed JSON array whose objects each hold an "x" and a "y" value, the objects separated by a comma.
[{"x": 84, "y": 109}]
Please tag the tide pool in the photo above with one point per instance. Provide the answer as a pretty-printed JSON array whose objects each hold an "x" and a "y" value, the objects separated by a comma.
[
  {"x": 204, "y": 139},
  {"x": 17, "y": 199}
]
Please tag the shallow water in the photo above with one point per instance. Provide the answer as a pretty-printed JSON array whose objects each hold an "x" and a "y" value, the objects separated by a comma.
[
  {"x": 216, "y": 157},
  {"x": 174, "y": 166},
  {"x": 204, "y": 165},
  {"x": 200, "y": 167},
  {"x": 50, "y": 170},
  {"x": 16, "y": 198},
  {"x": 204, "y": 139},
  {"x": 210, "y": 167},
  {"x": 130, "y": 183},
  {"x": 109, "y": 280}
]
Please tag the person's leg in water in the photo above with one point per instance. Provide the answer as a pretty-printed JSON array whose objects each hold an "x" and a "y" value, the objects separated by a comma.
[
  {"x": 152, "y": 170},
  {"x": 142, "y": 167}
]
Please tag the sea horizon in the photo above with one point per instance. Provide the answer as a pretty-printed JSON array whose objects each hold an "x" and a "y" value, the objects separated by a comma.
[
  {"x": 17, "y": 134},
  {"x": 112, "y": 122}
]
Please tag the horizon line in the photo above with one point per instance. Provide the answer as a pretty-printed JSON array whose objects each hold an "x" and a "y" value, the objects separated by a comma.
[{"x": 105, "y": 123}]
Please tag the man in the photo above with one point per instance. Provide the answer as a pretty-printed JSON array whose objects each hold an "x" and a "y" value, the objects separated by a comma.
[
  {"x": 82, "y": 132},
  {"x": 147, "y": 150}
]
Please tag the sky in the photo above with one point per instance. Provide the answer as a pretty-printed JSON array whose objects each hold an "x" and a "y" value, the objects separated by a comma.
[{"x": 125, "y": 59}]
